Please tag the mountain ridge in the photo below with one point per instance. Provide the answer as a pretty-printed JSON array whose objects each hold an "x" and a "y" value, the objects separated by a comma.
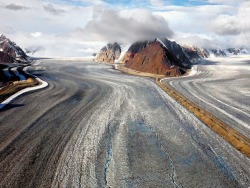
[
  {"x": 194, "y": 52},
  {"x": 10, "y": 52},
  {"x": 160, "y": 56}
]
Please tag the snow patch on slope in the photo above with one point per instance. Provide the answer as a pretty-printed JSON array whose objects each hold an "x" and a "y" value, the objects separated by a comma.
[
  {"x": 124, "y": 49},
  {"x": 161, "y": 43}
]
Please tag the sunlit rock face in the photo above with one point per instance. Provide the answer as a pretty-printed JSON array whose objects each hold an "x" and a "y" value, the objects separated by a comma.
[
  {"x": 195, "y": 53},
  {"x": 109, "y": 53},
  {"x": 157, "y": 58}
]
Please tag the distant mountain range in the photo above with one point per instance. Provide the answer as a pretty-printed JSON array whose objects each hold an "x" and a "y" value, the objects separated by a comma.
[
  {"x": 160, "y": 56},
  {"x": 196, "y": 53},
  {"x": 10, "y": 52}
]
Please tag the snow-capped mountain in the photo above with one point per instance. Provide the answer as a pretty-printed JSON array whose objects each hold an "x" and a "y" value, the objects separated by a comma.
[
  {"x": 159, "y": 56},
  {"x": 10, "y": 52},
  {"x": 176, "y": 50},
  {"x": 236, "y": 51},
  {"x": 195, "y": 53}
]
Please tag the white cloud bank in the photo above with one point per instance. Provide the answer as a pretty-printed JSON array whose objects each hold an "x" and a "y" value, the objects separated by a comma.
[
  {"x": 58, "y": 29},
  {"x": 227, "y": 24},
  {"x": 125, "y": 26},
  {"x": 236, "y": 27},
  {"x": 211, "y": 26}
]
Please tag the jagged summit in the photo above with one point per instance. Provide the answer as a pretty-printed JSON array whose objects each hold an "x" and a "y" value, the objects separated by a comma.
[
  {"x": 109, "y": 53},
  {"x": 158, "y": 57},
  {"x": 195, "y": 53},
  {"x": 237, "y": 51},
  {"x": 177, "y": 50},
  {"x": 10, "y": 52}
]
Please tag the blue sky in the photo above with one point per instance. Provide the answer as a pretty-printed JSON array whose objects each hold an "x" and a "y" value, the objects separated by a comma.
[
  {"x": 148, "y": 3},
  {"x": 137, "y": 3}
]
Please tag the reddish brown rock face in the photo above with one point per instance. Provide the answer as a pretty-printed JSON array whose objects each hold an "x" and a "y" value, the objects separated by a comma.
[{"x": 154, "y": 59}]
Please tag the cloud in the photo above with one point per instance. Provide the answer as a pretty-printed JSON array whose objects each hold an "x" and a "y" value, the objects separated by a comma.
[
  {"x": 38, "y": 27},
  {"x": 36, "y": 34},
  {"x": 225, "y": 25},
  {"x": 6, "y": 29},
  {"x": 233, "y": 24},
  {"x": 200, "y": 41},
  {"x": 125, "y": 27},
  {"x": 51, "y": 45},
  {"x": 157, "y": 3},
  {"x": 15, "y": 7},
  {"x": 225, "y": 2},
  {"x": 193, "y": 19},
  {"x": 31, "y": 50},
  {"x": 79, "y": 27},
  {"x": 51, "y": 9}
]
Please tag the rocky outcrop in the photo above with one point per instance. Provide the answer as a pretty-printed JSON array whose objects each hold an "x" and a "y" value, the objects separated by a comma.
[
  {"x": 10, "y": 52},
  {"x": 176, "y": 50},
  {"x": 227, "y": 52},
  {"x": 195, "y": 53},
  {"x": 160, "y": 56},
  {"x": 155, "y": 57},
  {"x": 133, "y": 49},
  {"x": 109, "y": 53},
  {"x": 218, "y": 53},
  {"x": 235, "y": 51}
]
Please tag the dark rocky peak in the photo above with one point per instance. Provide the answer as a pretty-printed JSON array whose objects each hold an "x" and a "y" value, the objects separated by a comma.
[
  {"x": 194, "y": 53},
  {"x": 233, "y": 51},
  {"x": 237, "y": 51},
  {"x": 10, "y": 52},
  {"x": 218, "y": 53},
  {"x": 176, "y": 50},
  {"x": 109, "y": 53},
  {"x": 138, "y": 46}
]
